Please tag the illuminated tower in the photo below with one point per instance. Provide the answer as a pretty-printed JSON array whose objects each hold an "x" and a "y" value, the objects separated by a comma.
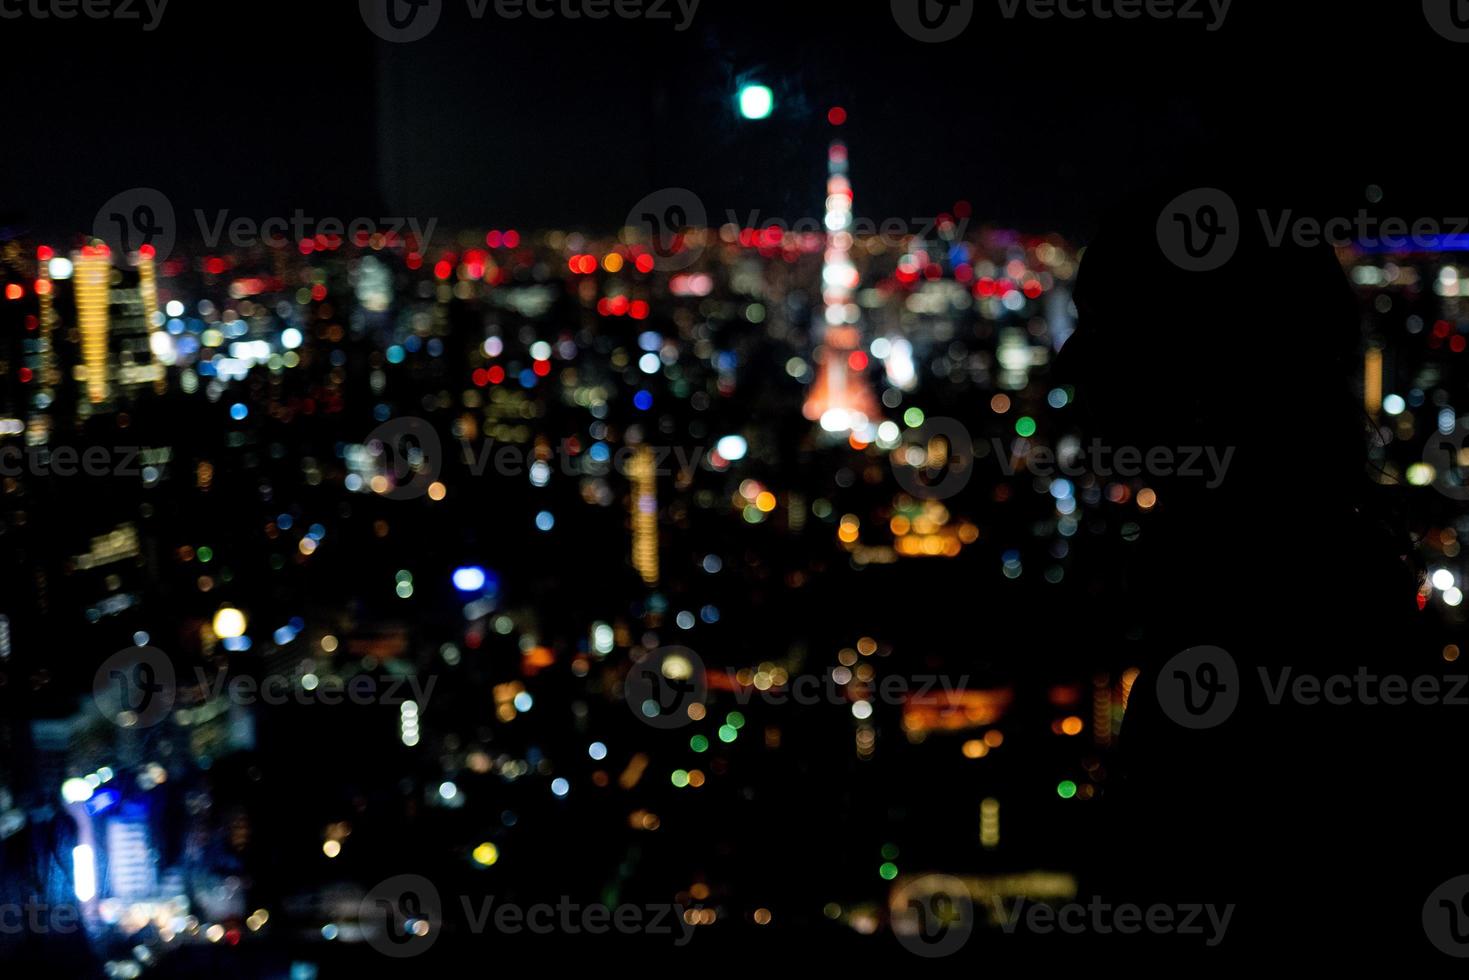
[
  {"x": 643, "y": 473},
  {"x": 1372, "y": 381},
  {"x": 45, "y": 258},
  {"x": 841, "y": 398},
  {"x": 93, "y": 274},
  {"x": 158, "y": 339}
]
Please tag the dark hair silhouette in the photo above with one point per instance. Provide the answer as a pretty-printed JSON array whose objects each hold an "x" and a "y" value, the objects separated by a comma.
[{"x": 1292, "y": 562}]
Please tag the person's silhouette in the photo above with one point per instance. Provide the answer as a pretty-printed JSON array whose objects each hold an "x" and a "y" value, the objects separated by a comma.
[{"x": 1316, "y": 819}]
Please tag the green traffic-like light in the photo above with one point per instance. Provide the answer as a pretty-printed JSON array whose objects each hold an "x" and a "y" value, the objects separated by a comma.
[{"x": 756, "y": 101}]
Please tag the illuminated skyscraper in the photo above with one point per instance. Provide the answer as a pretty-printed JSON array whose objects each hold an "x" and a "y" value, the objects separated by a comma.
[
  {"x": 158, "y": 339},
  {"x": 1372, "y": 381},
  {"x": 45, "y": 295},
  {"x": 93, "y": 272},
  {"x": 643, "y": 473},
  {"x": 841, "y": 398}
]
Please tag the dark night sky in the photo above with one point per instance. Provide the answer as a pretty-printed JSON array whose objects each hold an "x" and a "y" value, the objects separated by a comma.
[{"x": 1041, "y": 124}]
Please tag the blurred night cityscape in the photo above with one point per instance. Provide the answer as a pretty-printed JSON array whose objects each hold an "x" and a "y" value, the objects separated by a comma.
[{"x": 730, "y": 570}]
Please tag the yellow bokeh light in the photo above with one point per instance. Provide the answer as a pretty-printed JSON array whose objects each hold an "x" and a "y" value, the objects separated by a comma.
[{"x": 229, "y": 623}]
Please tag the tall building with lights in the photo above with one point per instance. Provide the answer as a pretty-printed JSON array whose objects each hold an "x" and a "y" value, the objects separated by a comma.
[
  {"x": 642, "y": 470},
  {"x": 841, "y": 398},
  {"x": 158, "y": 340},
  {"x": 117, "y": 313},
  {"x": 93, "y": 264}
]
